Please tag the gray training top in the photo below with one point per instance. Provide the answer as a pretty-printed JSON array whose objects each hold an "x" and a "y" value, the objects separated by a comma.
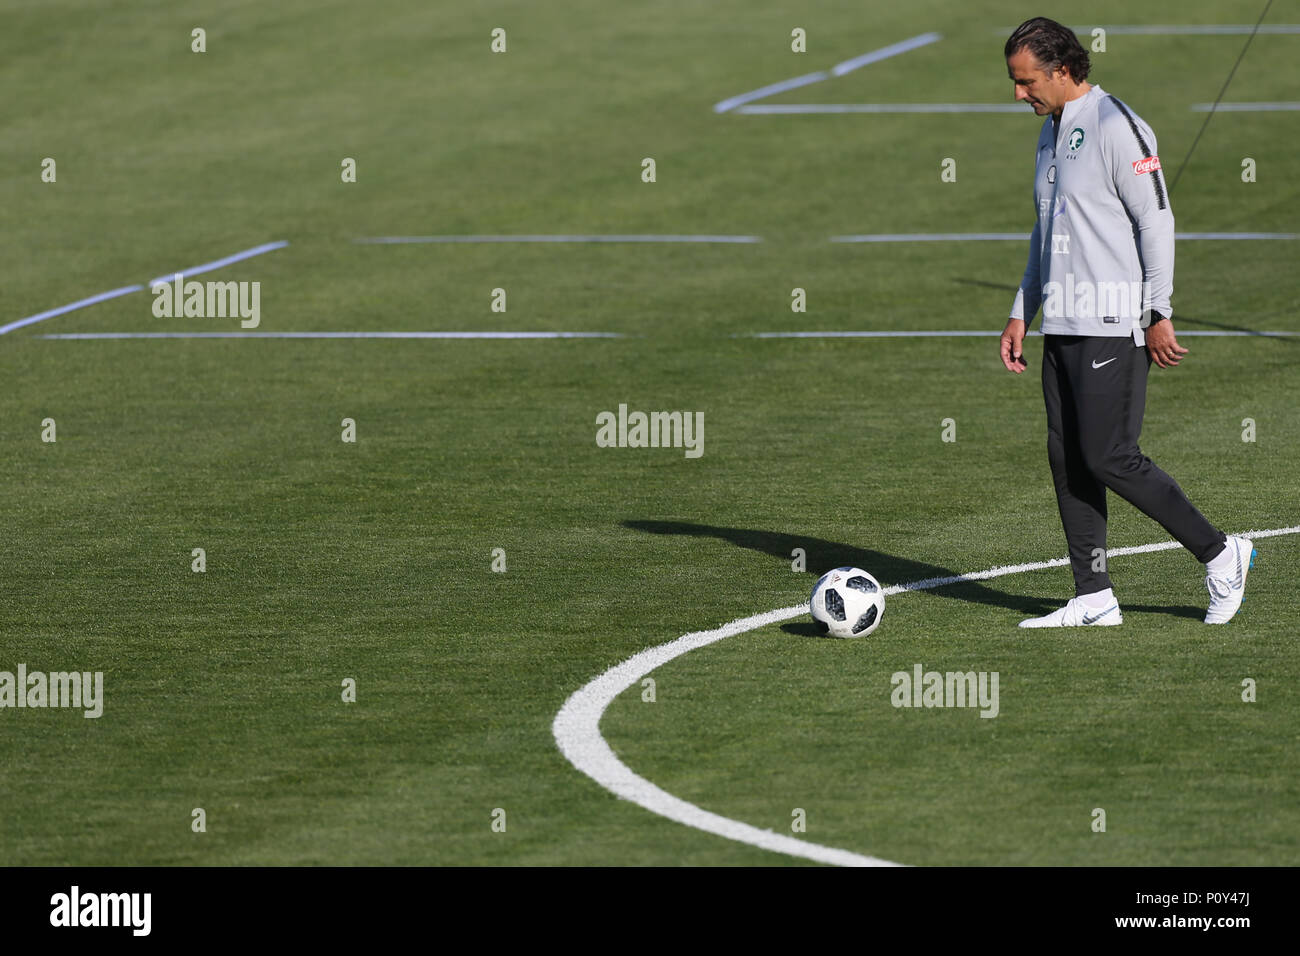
[{"x": 1102, "y": 249}]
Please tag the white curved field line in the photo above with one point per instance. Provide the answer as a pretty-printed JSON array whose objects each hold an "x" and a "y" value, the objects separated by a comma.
[{"x": 577, "y": 725}]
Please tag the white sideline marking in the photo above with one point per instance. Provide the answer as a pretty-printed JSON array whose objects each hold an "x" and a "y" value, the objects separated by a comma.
[
  {"x": 771, "y": 108},
  {"x": 393, "y": 240},
  {"x": 333, "y": 335},
  {"x": 830, "y": 334},
  {"x": 219, "y": 263},
  {"x": 874, "y": 334},
  {"x": 847, "y": 66},
  {"x": 1024, "y": 236},
  {"x": 577, "y": 726},
  {"x": 879, "y": 237},
  {"x": 1234, "y": 235},
  {"x": 41, "y": 316},
  {"x": 1179, "y": 29},
  {"x": 1245, "y": 107},
  {"x": 936, "y": 237}
]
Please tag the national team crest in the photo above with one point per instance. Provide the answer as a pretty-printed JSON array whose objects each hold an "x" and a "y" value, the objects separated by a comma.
[{"x": 1076, "y": 138}]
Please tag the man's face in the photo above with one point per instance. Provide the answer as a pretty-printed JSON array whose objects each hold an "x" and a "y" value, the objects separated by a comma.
[{"x": 1043, "y": 91}]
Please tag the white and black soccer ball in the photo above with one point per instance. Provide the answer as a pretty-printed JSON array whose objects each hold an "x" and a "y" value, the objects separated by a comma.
[{"x": 847, "y": 602}]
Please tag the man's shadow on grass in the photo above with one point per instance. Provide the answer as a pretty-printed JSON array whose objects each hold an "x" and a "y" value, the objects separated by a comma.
[
  {"x": 1179, "y": 318},
  {"x": 1182, "y": 610},
  {"x": 889, "y": 569},
  {"x": 823, "y": 555}
]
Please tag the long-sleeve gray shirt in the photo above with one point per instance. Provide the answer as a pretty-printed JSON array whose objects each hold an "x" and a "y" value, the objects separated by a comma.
[{"x": 1102, "y": 249}]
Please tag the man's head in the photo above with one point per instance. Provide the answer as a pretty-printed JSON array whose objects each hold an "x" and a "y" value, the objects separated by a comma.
[{"x": 1047, "y": 63}]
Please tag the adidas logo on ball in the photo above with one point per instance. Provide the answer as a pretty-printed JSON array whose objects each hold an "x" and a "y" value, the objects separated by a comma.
[{"x": 847, "y": 602}]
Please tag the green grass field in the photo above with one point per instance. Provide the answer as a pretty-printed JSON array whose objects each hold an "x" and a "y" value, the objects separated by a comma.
[{"x": 372, "y": 560}]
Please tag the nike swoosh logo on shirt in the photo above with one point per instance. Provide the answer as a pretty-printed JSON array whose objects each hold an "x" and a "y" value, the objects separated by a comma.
[{"x": 1107, "y": 362}]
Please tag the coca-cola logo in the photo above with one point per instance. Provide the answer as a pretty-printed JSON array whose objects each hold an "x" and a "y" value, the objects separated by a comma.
[{"x": 1146, "y": 165}]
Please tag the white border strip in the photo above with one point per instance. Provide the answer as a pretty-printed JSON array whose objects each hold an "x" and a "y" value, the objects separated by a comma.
[
  {"x": 786, "y": 108},
  {"x": 919, "y": 334},
  {"x": 1024, "y": 236},
  {"x": 577, "y": 726},
  {"x": 816, "y": 334},
  {"x": 1245, "y": 107},
  {"x": 872, "y": 334},
  {"x": 398, "y": 240},
  {"x": 220, "y": 263},
  {"x": 61, "y": 310},
  {"x": 936, "y": 237},
  {"x": 1235, "y": 235},
  {"x": 334, "y": 335}
]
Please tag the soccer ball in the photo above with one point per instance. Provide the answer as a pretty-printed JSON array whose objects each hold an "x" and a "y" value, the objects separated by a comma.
[{"x": 847, "y": 602}]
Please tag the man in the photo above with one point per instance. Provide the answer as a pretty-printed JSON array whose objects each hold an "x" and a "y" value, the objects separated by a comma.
[{"x": 1101, "y": 263}]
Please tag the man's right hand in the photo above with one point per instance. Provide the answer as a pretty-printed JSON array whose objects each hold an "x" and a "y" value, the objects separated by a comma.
[{"x": 1013, "y": 339}]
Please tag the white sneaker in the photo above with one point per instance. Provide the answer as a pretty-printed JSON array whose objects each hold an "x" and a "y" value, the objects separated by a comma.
[
  {"x": 1078, "y": 614},
  {"x": 1228, "y": 587}
]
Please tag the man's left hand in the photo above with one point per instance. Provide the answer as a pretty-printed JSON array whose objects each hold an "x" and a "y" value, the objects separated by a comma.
[{"x": 1162, "y": 344}]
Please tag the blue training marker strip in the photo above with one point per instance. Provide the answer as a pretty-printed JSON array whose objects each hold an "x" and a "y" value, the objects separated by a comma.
[
  {"x": 125, "y": 290},
  {"x": 219, "y": 263},
  {"x": 42, "y": 316}
]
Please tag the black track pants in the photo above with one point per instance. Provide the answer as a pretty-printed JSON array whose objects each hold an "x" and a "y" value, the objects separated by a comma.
[{"x": 1095, "y": 389}]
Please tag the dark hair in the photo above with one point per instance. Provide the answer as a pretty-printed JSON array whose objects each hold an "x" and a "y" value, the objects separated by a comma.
[{"x": 1053, "y": 45}]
